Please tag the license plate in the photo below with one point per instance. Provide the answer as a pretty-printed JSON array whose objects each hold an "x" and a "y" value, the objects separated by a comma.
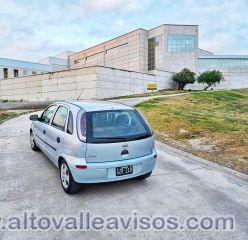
[{"x": 124, "y": 170}]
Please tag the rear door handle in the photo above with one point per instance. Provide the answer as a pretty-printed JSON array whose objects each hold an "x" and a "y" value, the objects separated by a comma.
[
  {"x": 44, "y": 131},
  {"x": 58, "y": 140}
]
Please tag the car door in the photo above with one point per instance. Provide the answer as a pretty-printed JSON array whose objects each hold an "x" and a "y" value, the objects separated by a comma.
[
  {"x": 40, "y": 127},
  {"x": 56, "y": 133}
]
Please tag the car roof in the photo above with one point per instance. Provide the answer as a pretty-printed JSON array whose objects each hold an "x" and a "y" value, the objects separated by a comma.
[{"x": 97, "y": 105}]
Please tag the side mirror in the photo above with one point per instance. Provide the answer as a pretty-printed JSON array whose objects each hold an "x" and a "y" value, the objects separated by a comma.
[{"x": 34, "y": 117}]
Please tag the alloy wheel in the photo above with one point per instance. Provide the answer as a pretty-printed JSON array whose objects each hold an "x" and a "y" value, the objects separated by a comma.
[{"x": 64, "y": 174}]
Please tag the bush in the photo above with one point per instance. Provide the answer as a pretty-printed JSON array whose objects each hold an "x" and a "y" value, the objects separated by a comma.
[
  {"x": 211, "y": 78},
  {"x": 183, "y": 78}
]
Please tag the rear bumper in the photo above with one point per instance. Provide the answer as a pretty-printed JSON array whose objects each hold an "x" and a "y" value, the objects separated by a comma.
[{"x": 105, "y": 172}]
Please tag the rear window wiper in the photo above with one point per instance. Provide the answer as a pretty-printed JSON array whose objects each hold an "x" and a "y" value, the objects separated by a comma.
[
  {"x": 114, "y": 138},
  {"x": 142, "y": 137}
]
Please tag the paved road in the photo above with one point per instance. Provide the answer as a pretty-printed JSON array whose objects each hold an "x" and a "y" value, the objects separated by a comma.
[
  {"x": 179, "y": 186},
  {"x": 134, "y": 101}
]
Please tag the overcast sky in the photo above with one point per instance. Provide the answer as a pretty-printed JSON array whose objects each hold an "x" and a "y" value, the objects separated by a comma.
[{"x": 31, "y": 30}]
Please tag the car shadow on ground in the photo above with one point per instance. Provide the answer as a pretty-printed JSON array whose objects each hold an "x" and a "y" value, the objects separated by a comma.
[{"x": 122, "y": 186}]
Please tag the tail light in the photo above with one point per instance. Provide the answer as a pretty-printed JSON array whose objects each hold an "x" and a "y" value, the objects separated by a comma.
[{"x": 81, "y": 166}]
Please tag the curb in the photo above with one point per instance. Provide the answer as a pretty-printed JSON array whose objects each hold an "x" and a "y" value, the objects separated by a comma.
[{"x": 204, "y": 162}]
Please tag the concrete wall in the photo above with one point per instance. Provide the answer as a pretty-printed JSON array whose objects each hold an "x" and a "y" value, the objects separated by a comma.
[
  {"x": 97, "y": 82},
  {"x": 67, "y": 85},
  {"x": 51, "y": 86},
  {"x": 115, "y": 82},
  {"x": 21, "y": 88},
  {"x": 235, "y": 78}
]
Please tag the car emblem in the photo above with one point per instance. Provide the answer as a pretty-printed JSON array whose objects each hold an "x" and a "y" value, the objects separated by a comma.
[{"x": 124, "y": 145}]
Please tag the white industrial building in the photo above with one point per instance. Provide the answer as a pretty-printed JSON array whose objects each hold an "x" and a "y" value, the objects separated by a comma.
[
  {"x": 58, "y": 62},
  {"x": 11, "y": 68},
  {"x": 122, "y": 66},
  {"x": 167, "y": 47}
]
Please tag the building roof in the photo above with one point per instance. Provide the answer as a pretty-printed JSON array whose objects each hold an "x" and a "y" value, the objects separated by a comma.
[
  {"x": 172, "y": 24},
  {"x": 223, "y": 57},
  {"x": 64, "y": 54},
  {"x": 5, "y": 62},
  {"x": 203, "y": 52}
]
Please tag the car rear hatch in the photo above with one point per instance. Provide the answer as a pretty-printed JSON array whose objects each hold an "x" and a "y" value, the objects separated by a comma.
[
  {"x": 114, "y": 135},
  {"x": 106, "y": 152}
]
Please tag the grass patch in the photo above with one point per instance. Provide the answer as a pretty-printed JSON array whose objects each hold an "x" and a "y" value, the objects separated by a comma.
[
  {"x": 8, "y": 114},
  {"x": 212, "y": 125},
  {"x": 4, "y": 116}
]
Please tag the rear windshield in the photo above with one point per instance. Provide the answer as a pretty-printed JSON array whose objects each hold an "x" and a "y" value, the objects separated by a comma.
[{"x": 116, "y": 126}]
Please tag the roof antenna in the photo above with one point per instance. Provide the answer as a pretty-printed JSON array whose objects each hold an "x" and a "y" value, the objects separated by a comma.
[{"x": 80, "y": 95}]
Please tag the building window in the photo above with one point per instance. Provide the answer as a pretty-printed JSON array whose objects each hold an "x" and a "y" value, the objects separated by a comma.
[
  {"x": 33, "y": 72},
  {"x": 151, "y": 53},
  {"x": 181, "y": 43},
  {"x": 15, "y": 72},
  {"x": 222, "y": 63},
  {"x": 25, "y": 72},
  {"x": 5, "y": 73}
]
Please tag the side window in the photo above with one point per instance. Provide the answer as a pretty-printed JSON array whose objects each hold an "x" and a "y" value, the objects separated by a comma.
[
  {"x": 70, "y": 124},
  {"x": 60, "y": 117},
  {"x": 47, "y": 114}
]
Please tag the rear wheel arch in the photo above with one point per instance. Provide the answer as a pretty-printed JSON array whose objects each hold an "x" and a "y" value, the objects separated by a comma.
[
  {"x": 32, "y": 129},
  {"x": 72, "y": 186},
  {"x": 60, "y": 160},
  {"x": 32, "y": 141}
]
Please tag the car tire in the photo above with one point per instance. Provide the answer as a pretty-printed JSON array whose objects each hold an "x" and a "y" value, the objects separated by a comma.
[
  {"x": 67, "y": 181},
  {"x": 34, "y": 147},
  {"x": 142, "y": 177}
]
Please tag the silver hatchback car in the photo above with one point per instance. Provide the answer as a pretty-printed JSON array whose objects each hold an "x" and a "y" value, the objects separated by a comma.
[{"x": 94, "y": 141}]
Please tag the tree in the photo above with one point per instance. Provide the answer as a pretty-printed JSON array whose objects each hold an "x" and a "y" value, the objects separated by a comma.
[
  {"x": 211, "y": 78},
  {"x": 183, "y": 78}
]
